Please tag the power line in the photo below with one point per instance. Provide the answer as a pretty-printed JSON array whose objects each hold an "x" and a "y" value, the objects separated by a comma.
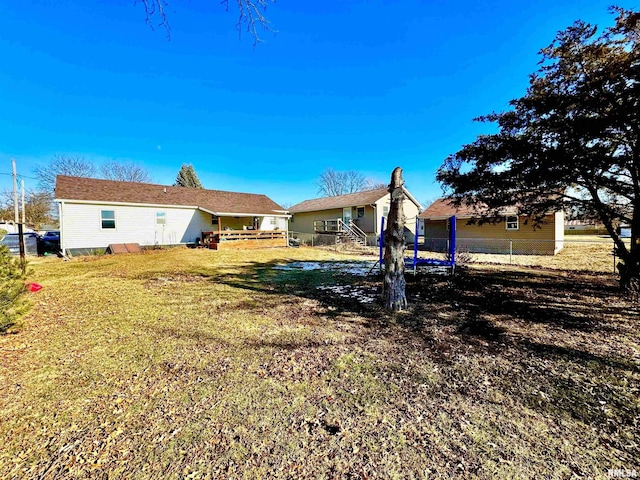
[{"x": 20, "y": 176}]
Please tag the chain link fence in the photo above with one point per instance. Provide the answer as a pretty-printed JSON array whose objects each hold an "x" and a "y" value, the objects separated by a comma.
[
  {"x": 497, "y": 246},
  {"x": 325, "y": 240},
  {"x": 312, "y": 240},
  {"x": 585, "y": 253},
  {"x": 578, "y": 253}
]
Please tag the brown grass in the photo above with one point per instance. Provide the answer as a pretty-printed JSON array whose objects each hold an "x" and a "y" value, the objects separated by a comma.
[{"x": 200, "y": 364}]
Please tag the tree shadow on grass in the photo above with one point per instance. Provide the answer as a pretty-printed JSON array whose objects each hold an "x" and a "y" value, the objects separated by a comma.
[
  {"x": 569, "y": 303},
  {"x": 470, "y": 316},
  {"x": 565, "y": 302}
]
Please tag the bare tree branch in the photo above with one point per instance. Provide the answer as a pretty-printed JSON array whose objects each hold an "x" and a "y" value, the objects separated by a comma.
[
  {"x": 74, "y": 166},
  {"x": 125, "y": 172},
  {"x": 251, "y": 16},
  {"x": 332, "y": 183},
  {"x": 155, "y": 8}
]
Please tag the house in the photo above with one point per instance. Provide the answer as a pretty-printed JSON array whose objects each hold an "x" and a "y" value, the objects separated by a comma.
[
  {"x": 511, "y": 233},
  {"x": 584, "y": 227},
  {"x": 357, "y": 215},
  {"x": 96, "y": 213}
]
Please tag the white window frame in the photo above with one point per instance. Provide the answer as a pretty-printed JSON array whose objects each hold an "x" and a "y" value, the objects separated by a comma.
[
  {"x": 161, "y": 214},
  {"x": 102, "y": 220},
  {"x": 511, "y": 224}
]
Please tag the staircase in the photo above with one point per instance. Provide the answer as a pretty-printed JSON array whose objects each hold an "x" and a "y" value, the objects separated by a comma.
[{"x": 351, "y": 233}]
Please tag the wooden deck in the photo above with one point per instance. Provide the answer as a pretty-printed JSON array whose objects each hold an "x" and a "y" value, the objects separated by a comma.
[{"x": 244, "y": 239}]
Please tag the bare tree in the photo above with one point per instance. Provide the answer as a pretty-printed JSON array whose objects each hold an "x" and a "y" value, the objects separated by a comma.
[
  {"x": 37, "y": 207},
  {"x": 74, "y": 166},
  {"x": 125, "y": 172},
  {"x": 393, "y": 288},
  {"x": 251, "y": 16},
  {"x": 332, "y": 183},
  {"x": 429, "y": 201},
  {"x": 373, "y": 184}
]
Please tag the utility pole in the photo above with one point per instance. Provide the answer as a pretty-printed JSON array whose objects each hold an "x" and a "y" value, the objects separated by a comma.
[
  {"x": 15, "y": 191},
  {"x": 22, "y": 188},
  {"x": 23, "y": 261}
]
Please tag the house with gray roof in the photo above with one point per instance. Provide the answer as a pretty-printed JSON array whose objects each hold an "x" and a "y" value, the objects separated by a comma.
[
  {"x": 96, "y": 213},
  {"x": 355, "y": 214}
]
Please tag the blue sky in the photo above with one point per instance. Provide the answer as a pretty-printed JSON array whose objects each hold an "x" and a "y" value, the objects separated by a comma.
[{"x": 363, "y": 85}]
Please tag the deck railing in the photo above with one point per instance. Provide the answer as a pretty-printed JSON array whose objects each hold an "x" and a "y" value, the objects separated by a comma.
[
  {"x": 212, "y": 239},
  {"x": 338, "y": 225},
  {"x": 333, "y": 225}
]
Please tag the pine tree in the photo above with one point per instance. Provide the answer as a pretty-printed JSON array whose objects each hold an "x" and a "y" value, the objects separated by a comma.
[
  {"x": 187, "y": 177},
  {"x": 572, "y": 142}
]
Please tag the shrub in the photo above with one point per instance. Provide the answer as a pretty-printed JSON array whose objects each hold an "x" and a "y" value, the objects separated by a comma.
[{"x": 12, "y": 301}]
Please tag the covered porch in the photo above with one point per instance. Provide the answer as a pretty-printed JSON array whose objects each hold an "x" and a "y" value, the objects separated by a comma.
[{"x": 245, "y": 231}]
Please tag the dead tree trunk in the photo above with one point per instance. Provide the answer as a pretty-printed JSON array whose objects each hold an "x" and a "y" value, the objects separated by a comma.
[{"x": 393, "y": 288}]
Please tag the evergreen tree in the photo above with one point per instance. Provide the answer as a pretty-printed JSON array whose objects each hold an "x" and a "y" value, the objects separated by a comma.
[
  {"x": 187, "y": 177},
  {"x": 572, "y": 142}
]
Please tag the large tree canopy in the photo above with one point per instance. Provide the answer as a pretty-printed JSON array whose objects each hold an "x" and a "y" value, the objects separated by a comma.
[{"x": 571, "y": 142}]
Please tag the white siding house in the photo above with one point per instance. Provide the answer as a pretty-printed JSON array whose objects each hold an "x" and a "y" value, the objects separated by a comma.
[
  {"x": 98, "y": 225},
  {"x": 96, "y": 213}
]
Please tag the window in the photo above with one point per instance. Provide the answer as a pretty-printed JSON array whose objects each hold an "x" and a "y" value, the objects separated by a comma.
[
  {"x": 359, "y": 212},
  {"x": 161, "y": 218},
  {"x": 214, "y": 220},
  {"x": 512, "y": 222},
  {"x": 274, "y": 221},
  {"x": 385, "y": 211},
  {"x": 108, "y": 218}
]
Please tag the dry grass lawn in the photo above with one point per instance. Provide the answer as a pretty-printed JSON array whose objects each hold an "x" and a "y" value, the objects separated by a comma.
[{"x": 201, "y": 364}]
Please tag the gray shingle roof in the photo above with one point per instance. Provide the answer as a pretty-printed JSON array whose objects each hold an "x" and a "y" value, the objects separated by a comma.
[{"x": 217, "y": 201}]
